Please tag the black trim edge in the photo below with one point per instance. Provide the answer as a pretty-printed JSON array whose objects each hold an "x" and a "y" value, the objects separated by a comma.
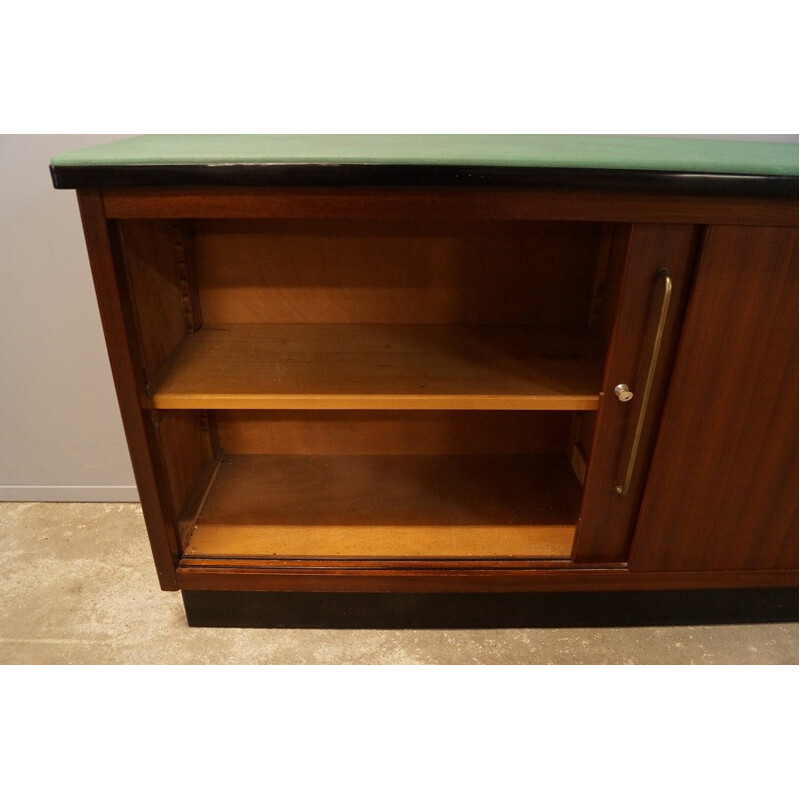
[
  {"x": 411, "y": 175},
  {"x": 223, "y": 609}
]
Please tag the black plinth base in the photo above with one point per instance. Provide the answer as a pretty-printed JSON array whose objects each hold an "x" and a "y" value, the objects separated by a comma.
[{"x": 518, "y": 610}]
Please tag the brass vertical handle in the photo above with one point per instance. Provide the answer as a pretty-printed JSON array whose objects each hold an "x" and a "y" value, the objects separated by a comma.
[{"x": 663, "y": 274}]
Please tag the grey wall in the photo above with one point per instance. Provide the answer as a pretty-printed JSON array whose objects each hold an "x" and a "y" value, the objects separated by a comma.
[{"x": 60, "y": 433}]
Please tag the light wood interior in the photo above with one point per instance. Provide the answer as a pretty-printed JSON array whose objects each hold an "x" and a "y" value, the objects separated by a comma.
[
  {"x": 396, "y": 271},
  {"x": 373, "y": 388},
  {"x": 394, "y": 432},
  {"x": 326, "y": 366},
  {"x": 389, "y": 506}
]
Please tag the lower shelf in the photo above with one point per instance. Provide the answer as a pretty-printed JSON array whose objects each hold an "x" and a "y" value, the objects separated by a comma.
[{"x": 511, "y": 506}]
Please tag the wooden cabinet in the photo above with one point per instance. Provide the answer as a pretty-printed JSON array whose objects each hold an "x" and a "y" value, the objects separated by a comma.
[{"x": 414, "y": 375}]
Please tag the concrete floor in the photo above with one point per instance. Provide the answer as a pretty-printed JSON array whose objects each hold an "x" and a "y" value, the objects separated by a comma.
[{"x": 79, "y": 588}]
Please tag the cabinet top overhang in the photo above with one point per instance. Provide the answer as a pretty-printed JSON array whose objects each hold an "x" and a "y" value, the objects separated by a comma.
[{"x": 609, "y": 163}]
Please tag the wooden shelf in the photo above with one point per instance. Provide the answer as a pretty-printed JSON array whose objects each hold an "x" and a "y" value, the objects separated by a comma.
[
  {"x": 338, "y": 366},
  {"x": 388, "y": 507}
]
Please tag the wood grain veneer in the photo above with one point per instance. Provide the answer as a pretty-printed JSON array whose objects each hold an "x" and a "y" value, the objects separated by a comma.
[
  {"x": 393, "y": 432},
  {"x": 400, "y": 271},
  {"x": 118, "y": 316},
  {"x": 381, "y": 367},
  {"x": 474, "y": 204},
  {"x": 722, "y": 492},
  {"x": 607, "y": 519}
]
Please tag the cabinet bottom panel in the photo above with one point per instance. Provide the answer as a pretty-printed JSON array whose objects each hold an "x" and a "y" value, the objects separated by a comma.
[{"x": 509, "y": 506}]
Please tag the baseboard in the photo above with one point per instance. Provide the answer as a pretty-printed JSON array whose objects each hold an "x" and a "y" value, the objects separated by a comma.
[
  {"x": 69, "y": 494},
  {"x": 516, "y": 610}
]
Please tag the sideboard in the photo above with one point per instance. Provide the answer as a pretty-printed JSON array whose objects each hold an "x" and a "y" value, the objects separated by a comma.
[{"x": 369, "y": 367}]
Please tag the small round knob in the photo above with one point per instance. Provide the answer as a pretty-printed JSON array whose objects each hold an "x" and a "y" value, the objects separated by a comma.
[{"x": 623, "y": 393}]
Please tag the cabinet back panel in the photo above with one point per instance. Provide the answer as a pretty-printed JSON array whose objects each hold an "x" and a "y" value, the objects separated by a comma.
[
  {"x": 392, "y": 432},
  {"x": 389, "y": 271}
]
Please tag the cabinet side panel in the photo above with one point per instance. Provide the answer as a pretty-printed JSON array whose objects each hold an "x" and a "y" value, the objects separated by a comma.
[
  {"x": 186, "y": 449},
  {"x": 119, "y": 327},
  {"x": 155, "y": 257},
  {"x": 722, "y": 492}
]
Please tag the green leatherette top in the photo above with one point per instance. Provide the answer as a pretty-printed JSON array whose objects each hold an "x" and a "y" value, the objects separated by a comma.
[{"x": 535, "y": 160}]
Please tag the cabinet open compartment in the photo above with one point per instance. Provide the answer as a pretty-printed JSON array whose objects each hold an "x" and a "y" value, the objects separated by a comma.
[
  {"x": 388, "y": 485},
  {"x": 373, "y": 389}
]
